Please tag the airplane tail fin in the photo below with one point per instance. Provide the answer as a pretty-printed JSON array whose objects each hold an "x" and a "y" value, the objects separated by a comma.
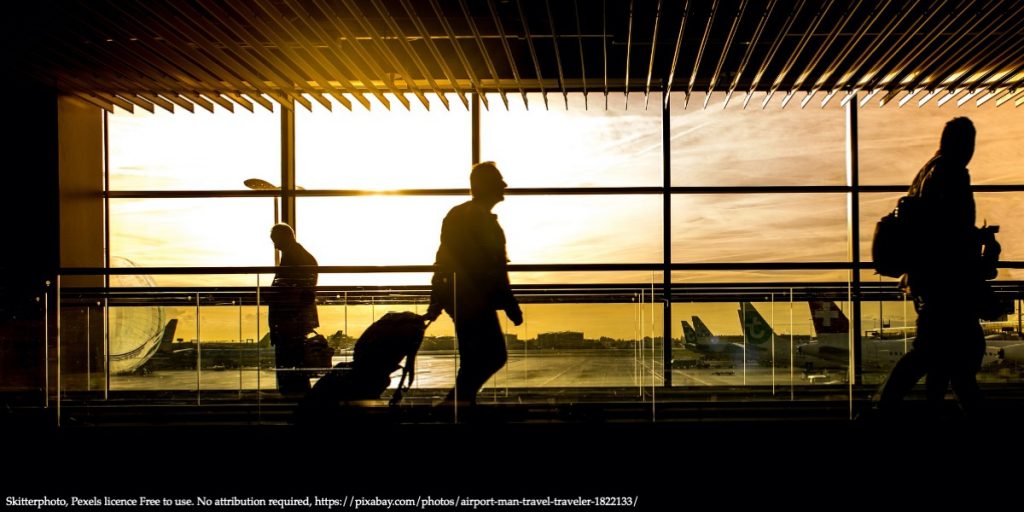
[
  {"x": 755, "y": 328},
  {"x": 828, "y": 318},
  {"x": 689, "y": 334},
  {"x": 700, "y": 329},
  {"x": 168, "y": 336}
]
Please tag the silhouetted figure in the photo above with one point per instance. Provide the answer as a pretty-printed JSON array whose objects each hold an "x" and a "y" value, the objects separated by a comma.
[
  {"x": 292, "y": 309},
  {"x": 471, "y": 282},
  {"x": 946, "y": 281}
]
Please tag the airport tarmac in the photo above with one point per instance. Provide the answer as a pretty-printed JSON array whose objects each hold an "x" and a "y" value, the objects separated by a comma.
[{"x": 531, "y": 369}]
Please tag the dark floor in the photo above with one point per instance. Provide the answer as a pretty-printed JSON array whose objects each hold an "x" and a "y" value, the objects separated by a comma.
[{"x": 725, "y": 454}]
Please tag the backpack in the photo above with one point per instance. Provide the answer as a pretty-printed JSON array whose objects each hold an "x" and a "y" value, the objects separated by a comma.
[
  {"x": 377, "y": 354},
  {"x": 895, "y": 242}
]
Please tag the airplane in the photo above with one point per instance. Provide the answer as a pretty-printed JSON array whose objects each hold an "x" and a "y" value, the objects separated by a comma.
[
  {"x": 878, "y": 350},
  {"x": 760, "y": 338},
  {"x": 184, "y": 355},
  {"x": 754, "y": 344},
  {"x": 700, "y": 339}
]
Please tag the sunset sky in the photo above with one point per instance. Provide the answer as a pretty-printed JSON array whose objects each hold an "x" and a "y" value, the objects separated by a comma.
[{"x": 578, "y": 147}]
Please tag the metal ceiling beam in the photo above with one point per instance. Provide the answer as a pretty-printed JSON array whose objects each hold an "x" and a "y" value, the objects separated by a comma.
[
  {"x": 319, "y": 66},
  {"x": 84, "y": 86},
  {"x": 301, "y": 64},
  {"x": 189, "y": 75},
  {"x": 1009, "y": 97},
  {"x": 953, "y": 44},
  {"x": 436, "y": 54},
  {"x": 604, "y": 47},
  {"x": 177, "y": 33},
  {"x": 872, "y": 79},
  {"x": 849, "y": 79},
  {"x": 770, "y": 55},
  {"x": 508, "y": 51},
  {"x": 474, "y": 80},
  {"x": 483, "y": 51},
  {"x": 381, "y": 46},
  {"x": 332, "y": 45},
  {"x": 1011, "y": 54},
  {"x": 231, "y": 65},
  {"x": 851, "y": 43},
  {"x": 825, "y": 45},
  {"x": 220, "y": 100},
  {"x": 915, "y": 54},
  {"x": 533, "y": 51},
  {"x": 275, "y": 69},
  {"x": 157, "y": 100},
  {"x": 583, "y": 63},
  {"x": 403, "y": 41},
  {"x": 111, "y": 83},
  {"x": 725, "y": 50},
  {"x": 700, "y": 53},
  {"x": 241, "y": 100},
  {"x": 679, "y": 46},
  {"x": 979, "y": 84},
  {"x": 371, "y": 63},
  {"x": 765, "y": 14},
  {"x": 102, "y": 56},
  {"x": 629, "y": 49},
  {"x": 1007, "y": 56},
  {"x": 806, "y": 38},
  {"x": 199, "y": 100},
  {"x": 558, "y": 56},
  {"x": 173, "y": 97}
]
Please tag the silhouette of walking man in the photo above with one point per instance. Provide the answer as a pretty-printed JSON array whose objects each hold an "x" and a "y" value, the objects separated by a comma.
[
  {"x": 471, "y": 282},
  {"x": 945, "y": 283},
  {"x": 292, "y": 309}
]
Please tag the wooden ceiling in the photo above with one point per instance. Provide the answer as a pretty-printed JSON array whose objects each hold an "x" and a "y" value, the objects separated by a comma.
[{"x": 295, "y": 53}]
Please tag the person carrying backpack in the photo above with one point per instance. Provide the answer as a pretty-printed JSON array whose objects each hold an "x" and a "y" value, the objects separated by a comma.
[{"x": 950, "y": 261}]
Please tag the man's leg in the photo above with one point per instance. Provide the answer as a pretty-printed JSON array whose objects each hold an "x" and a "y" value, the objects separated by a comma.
[
  {"x": 481, "y": 354},
  {"x": 289, "y": 355},
  {"x": 908, "y": 370}
]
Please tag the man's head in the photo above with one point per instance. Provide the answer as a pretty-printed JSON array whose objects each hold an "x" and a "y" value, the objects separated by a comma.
[
  {"x": 486, "y": 184},
  {"x": 283, "y": 235},
  {"x": 957, "y": 144}
]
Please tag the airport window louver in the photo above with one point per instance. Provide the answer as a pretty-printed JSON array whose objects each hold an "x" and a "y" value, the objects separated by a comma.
[{"x": 233, "y": 53}]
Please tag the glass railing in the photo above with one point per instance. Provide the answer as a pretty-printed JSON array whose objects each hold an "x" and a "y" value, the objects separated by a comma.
[{"x": 134, "y": 343}]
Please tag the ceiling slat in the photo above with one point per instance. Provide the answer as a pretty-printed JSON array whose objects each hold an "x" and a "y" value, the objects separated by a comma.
[
  {"x": 770, "y": 55},
  {"x": 766, "y": 13},
  {"x": 287, "y": 93},
  {"x": 379, "y": 44},
  {"x": 558, "y": 56},
  {"x": 240, "y": 53},
  {"x": 411, "y": 52},
  {"x": 533, "y": 52},
  {"x": 725, "y": 50},
  {"x": 321, "y": 70},
  {"x": 508, "y": 51}
]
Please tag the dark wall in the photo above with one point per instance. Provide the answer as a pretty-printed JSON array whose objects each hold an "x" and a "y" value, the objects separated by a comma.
[{"x": 31, "y": 236}]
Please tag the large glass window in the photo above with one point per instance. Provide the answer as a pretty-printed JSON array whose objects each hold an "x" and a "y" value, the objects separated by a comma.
[
  {"x": 186, "y": 151},
  {"x": 192, "y": 232},
  {"x": 381, "y": 149},
  {"x": 733, "y": 146},
  {"x": 577, "y": 333},
  {"x": 584, "y": 145},
  {"x": 896, "y": 142}
]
